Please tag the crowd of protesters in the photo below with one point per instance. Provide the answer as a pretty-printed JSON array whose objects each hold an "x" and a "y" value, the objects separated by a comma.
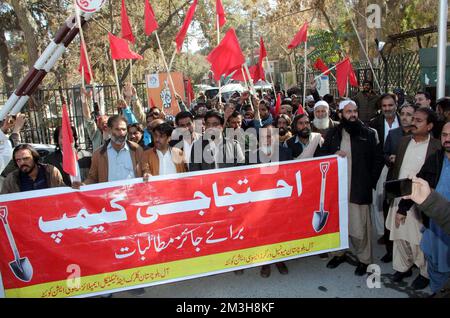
[{"x": 383, "y": 137}]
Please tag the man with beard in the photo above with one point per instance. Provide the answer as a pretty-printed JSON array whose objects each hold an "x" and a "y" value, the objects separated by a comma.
[
  {"x": 353, "y": 140},
  {"x": 304, "y": 143},
  {"x": 435, "y": 242},
  {"x": 443, "y": 115},
  {"x": 322, "y": 121},
  {"x": 423, "y": 99},
  {"x": 283, "y": 123},
  {"x": 383, "y": 123},
  {"x": 119, "y": 158},
  {"x": 390, "y": 149},
  {"x": 30, "y": 174},
  {"x": 406, "y": 228},
  {"x": 366, "y": 100}
]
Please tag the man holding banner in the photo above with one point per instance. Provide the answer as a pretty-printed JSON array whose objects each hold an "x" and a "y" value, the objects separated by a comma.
[
  {"x": 351, "y": 139},
  {"x": 118, "y": 158},
  {"x": 30, "y": 174}
]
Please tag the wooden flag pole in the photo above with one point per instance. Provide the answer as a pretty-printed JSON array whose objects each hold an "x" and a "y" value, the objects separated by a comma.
[
  {"x": 83, "y": 43},
  {"x": 331, "y": 68},
  {"x": 165, "y": 63},
  {"x": 116, "y": 77},
  {"x": 131, "y": 72},
  {"x": 270, "y": 75},
  {"x": 172, "y": 59},
  {"x": 250, "y": 79},
  {"x": 218, "y": 42}
]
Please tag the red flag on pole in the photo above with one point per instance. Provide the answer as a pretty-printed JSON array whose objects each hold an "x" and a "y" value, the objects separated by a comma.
[
  {"x": 220, "y": 13},
  {"x": 344, "y": 73},
  {"x": 227, "y": 56},
  {"x": 127, "y": 32},
  {"x": 69, "y": 157},
  {"x": 321, "y": 66},
  {"x": 149, "y": 19},
  {"x": 120, "y": 49},
  {"x": 238, "y": 76},
  {"x": 259, "y": 72},
  {"x": 301, "y": 36},
  {"x": 190, "y": 91},
  {"x": 352, "y": 77},
  {"x": 278, "y": 104},
  {"x": 83, "y": 68},
  {"x": 179, "y": 39}
]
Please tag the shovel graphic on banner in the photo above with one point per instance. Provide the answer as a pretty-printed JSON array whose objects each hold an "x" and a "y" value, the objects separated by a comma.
[
  {"x": 320, "y": 217},
  {"x": 20, "y": 266}
]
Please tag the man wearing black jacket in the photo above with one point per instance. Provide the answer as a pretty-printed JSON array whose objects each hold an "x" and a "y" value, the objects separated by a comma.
[
  {"x": 351, "y": 139},
  {"x": 383, "y": 123}
]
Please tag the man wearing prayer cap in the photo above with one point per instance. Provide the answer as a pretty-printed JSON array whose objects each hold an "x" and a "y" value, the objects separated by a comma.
[
  {"x": 353, "y": 140},
  {"x": 322, "y": 121}
]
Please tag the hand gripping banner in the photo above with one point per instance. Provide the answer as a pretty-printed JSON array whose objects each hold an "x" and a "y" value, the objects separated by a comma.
[{"x": 122, "y": 235}]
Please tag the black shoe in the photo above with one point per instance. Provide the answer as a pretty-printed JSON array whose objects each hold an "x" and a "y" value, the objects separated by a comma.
[
  {"x": 361, "y": 269},
  {"x": 420, "y": 282},
  {"x": 323, "y": 256},
  {"x": 265, "y": 271},
  {"x": 398, "y": 276},
  {"x": 282, "y": 268},
  {"x": 336, "y": 261},
  {"x": 387, "y": 258}
]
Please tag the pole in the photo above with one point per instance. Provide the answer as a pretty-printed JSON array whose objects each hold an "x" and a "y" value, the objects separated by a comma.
[
  {"x": 165, "y": 63},
  {"x": 442, "y": 48},
  {"x": 116, "y": 77},
  {"x": 270, "y": 74},
  {"x": 218, "y": 42},
  {"x": 131, "y": 72},
  {"x": 304, "y": 72},
  {"x": 172, "y": 59}
]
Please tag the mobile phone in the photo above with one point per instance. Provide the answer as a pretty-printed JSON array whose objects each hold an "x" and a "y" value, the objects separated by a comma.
[{"x": 398, "y": 188}]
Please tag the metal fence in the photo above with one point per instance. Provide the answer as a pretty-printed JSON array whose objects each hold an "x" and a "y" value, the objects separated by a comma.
[
  {"x": 45, "y": 109},
  {"x": 401, "y": 70}
]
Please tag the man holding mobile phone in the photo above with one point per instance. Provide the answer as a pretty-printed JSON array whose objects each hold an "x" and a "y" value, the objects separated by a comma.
[
  {"x": 435, "y": 242},
  {"x": 406, "y": 229}
]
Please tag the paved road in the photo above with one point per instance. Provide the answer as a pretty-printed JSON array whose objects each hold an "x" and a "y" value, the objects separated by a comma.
[{"x": 308, "y": 277}]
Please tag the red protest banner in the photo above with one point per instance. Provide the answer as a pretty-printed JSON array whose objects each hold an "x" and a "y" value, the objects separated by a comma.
[{"x": 121, "y": 235}]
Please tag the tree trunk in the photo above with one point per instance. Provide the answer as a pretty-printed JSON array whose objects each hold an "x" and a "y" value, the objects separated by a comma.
[
  {"x": 29, "y": 28},
  {"x": 5, "y": 64}
]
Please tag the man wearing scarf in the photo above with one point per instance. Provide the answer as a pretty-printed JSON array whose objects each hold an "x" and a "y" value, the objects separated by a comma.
[{"x": 353, "y": 140}]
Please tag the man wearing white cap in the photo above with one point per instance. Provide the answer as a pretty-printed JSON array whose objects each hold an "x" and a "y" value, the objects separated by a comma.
[
  {"x": 309, "y": 104},
  {"x": 353, "y": 140},
  {"x": 322, "y": 121}
]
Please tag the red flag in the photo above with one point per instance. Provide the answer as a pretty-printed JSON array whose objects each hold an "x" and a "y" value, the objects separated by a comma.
[
  {"x": 83, "y": 67},
  {"x": 352, "y": 77},
  {"x": 220, "y": 13},
  {"x": 69, "y": 158},
  {"x": 120, "y": 49},
  {"x": 149, "y": 19},
  {"x": 301, "y": 36},
  {"x": 278, "y": 104},
  {"x": 190, "y": 91},
  {"x": 179, "y": 39},
  {"x": 344, "y": 72},
  {"x": 227, "y": 56},
  {"x": 259, "y": 72},
  {"x": 127, "y": 32},
  {"x": 238, "y": 76},
  {"x": 152, "y": 102},
  {"x": 321, "y": 66},
  {"x": 300, "y": 110}
]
